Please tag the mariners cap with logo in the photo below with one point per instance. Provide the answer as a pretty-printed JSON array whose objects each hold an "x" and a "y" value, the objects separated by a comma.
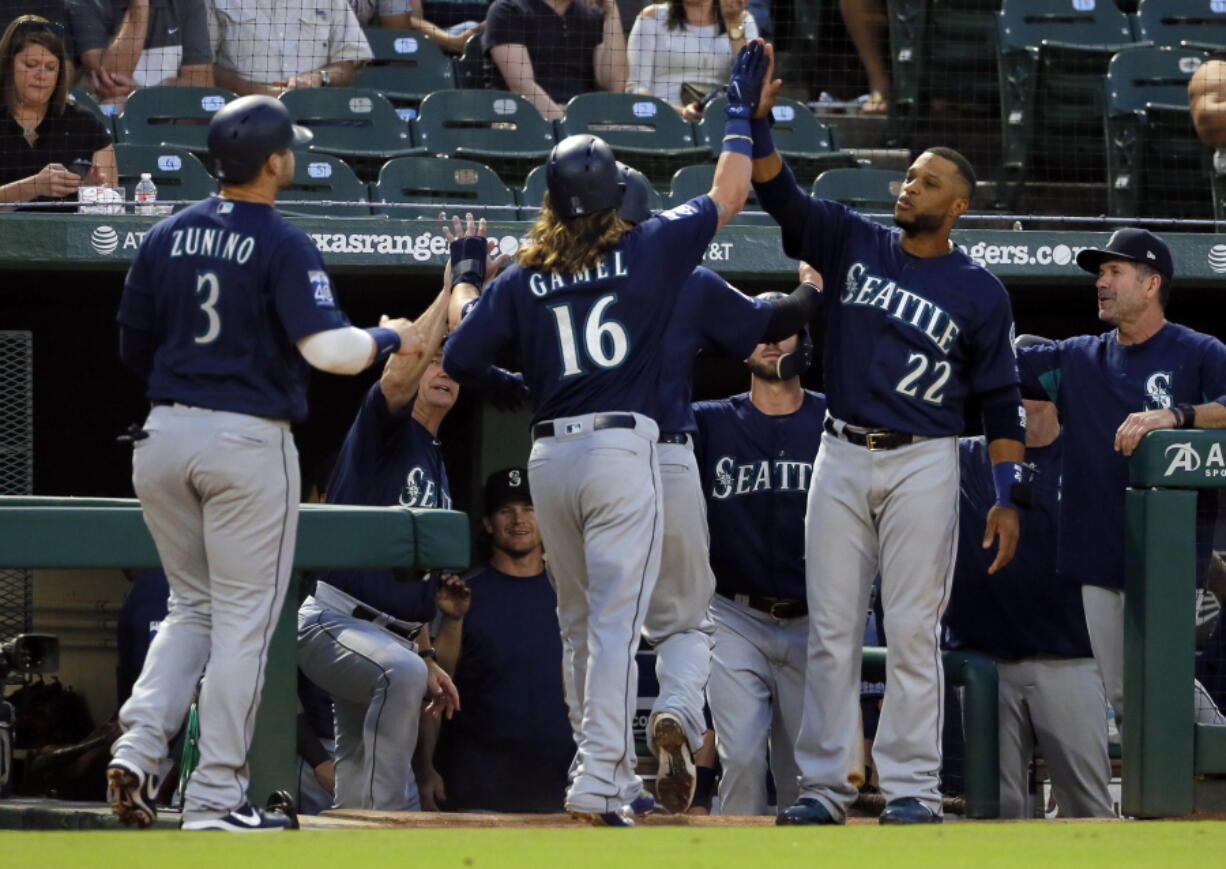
[
  {"x": 1134, "y": 245},
  {"x": 502, "y": 487}
]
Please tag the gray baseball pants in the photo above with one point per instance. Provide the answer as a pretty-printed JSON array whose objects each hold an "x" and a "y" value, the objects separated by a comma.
[
  {"x": 677, "y": 623},
  {"x": 599, "y": 507},
  {"x": 220, "y": 496},
  {"x": 756, "y": 690}
]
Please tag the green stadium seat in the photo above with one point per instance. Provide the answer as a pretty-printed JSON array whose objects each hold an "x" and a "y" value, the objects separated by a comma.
[
  {"x": 1182, "y": 23},
  {"x": 470, "y": 65},
  {"x": 176, "y": 116},
  {"x": 1053, "y": 57},
  {"x": 406, "y": 65},
  {"x": 692, "y": 181},
  {"x": 501, "y": 129},
  {"x": 806, "y": 142},
  {"x": 1155, "y": 162},
  {"x": 866, "y": 190},
  {"x": 105, "y": 115},
  {"x": 643, "y": 131},
  {"x": 434, "y": 184},
  {"x": 319, "y": 178},
  {"x": 356, "y": 125},
  {"x": 177, "y": 172},
  {"x": 534, "y": 191}
]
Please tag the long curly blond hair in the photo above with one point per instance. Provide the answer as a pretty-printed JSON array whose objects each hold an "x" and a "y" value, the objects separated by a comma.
[{"x": 569, "y": 246}]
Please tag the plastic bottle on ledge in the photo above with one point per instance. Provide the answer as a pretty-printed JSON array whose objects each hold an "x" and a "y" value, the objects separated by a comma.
[{"x": 146, "y": 195}]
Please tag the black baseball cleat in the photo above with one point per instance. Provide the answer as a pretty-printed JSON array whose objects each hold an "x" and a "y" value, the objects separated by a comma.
[
  {"x": 643, "y": 805},
  {"x": 620, "y": 818},
  {"x": 133, "y": 794},
  {"x": 807, "y": 812},
  {"x": 246, "y": 819},
  {"x": 908, "y": 810}
]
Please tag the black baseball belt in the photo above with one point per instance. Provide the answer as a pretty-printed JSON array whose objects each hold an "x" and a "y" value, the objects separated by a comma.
[
  {"x": 599, "y": 421},
  {"x": 674, "y": 437},
  {"x": 368, "y": 614},
  {"x": 872, "y": 439},
  {"x": 781, "y": 608}
]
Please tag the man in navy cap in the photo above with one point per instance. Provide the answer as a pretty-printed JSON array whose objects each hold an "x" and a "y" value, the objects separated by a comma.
[{"x": 1112, "y": 389}]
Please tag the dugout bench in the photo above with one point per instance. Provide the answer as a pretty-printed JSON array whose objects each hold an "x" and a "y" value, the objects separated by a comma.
[
  {"x": 38, "y": 532},
  {"x": 1172, "y": 765}
]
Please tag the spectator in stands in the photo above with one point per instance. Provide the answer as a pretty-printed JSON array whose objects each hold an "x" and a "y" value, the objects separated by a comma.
[
  {"x": 408, "y": 14},
  {"x": 42, "y": 132},
  {"x": 683, "y": 49},
  {"x": 267, "y": 48},
  {"x": 1207, "y": 102},
  {"x": 865, "y": 21},
  {"x": 128, "y": 44},
  {"x": 509, "y": 748},
  {"x": 551, "y": 50}
]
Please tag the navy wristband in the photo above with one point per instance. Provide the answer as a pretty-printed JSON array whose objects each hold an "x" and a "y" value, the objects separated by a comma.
[
  {"x": 738, "y": 137},
  {"x": 763, "y": 142},
  {"x": 387, "y": 341},
  {"x": 468, "y": 261},
  {"x": 1006, "y": 475}
]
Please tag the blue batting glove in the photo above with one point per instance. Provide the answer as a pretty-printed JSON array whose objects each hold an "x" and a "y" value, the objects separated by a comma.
[{"x": 745, "y": 82}]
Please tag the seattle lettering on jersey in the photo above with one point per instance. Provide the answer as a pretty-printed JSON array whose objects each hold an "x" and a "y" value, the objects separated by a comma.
[
  {"x": 780, "y": 475},
  {"x": 219, "y": 243},
  {"x": 544, "y": 283},
  {"x": 420, "y": 490},
  {"x": 902, "y": 304}
]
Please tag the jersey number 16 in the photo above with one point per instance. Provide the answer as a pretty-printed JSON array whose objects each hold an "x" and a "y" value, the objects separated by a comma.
[{"x": 605, "y": 343}]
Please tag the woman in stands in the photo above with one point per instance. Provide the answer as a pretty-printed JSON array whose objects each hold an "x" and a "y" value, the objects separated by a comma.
[
  {"x": 682, "y": 49},
  {"x": 48, "y": 146}
]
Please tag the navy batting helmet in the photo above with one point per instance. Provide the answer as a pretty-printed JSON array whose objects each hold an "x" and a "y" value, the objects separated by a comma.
[
  {"x": 583, "y": 177},
  {"x": 798, "y": 361},
  {"x": 636, "y": 204},
  {"x": 244, "y": 132}
]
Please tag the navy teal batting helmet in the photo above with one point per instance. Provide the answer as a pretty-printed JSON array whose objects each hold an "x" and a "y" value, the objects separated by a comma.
[
  {"x": 244, "y": 132},
  {"x": 582, "y": 177},
  {"x": 636, "y": 203}
]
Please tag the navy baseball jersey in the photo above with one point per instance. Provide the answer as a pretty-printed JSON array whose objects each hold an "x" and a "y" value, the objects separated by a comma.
[
  {"x": 228, "y": 288},
  {"x": 755, "y": 472},
  {"x": 510, "y": 746},
  {"x": 588, "y": 342},
  {"x": 710, "y": 314},
  {"x": 907, "y": 338},
  {"x": 388, "y": 459},
  {"x": 1097, "y": 382},
  {"x": 1024, "y": 609}
]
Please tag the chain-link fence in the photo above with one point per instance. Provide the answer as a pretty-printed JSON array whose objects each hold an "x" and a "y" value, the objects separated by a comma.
[{"x": 16, "y": 463}]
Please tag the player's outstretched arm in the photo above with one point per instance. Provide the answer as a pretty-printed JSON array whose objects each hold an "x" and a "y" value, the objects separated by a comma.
[
  {"x": 348, "y": 350},
  {"x": 463, "y": 290},
  {"x": 1135, "y": 426},
  {"x": 749, "y": 85}
]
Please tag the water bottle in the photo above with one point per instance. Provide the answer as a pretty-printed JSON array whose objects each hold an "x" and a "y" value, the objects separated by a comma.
[{"x": 146, "y": 195}]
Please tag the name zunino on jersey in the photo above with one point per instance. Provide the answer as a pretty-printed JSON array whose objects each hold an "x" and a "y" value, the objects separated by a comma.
[
  {"x": 779, "y": 475},
  {"x": 544, "y": 283},
  {"x": 219, "y": 243},
  {"x": 906, "y": 306}
]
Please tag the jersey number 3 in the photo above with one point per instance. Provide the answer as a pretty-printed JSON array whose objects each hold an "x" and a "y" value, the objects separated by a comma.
[
  {"x": 917, "y": 366},
  {"x": 209, "y": 287},
  {"x": 605, "y": 343}
]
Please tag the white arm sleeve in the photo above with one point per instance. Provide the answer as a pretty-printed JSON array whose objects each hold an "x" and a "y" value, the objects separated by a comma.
[{"x": 338, "y": 351}]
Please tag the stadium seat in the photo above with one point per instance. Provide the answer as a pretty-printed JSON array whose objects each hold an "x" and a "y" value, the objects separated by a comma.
[
  {"x": 692, "y": 181},
  {"x": 322, "y": 177},
  {"x": 177, "y": 172},
  {"x": 643, "y": 131},
  {"x": 501, "y": 129},
  {"x": 406, "y": 65},
  {"x": 470, "y": 66},
  {"x": 435, "y": 184},
  {"x": 534, "y": 191},
  {"x": 356, "y": 125},
  {"x": 1053, "y": 57},
  {"x": 1155, "y": 162},
  {"x": 1182, "y": 23},
  {"x": 866, "y": 190},
  {"x": 806, "y": 142},
  {"x": 86, "y": 102},
  {"x": 176, "y": 116}
]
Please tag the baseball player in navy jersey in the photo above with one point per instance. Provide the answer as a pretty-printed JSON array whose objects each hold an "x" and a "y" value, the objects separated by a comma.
[
  {"x": 1031, "y": 621},
  {"x": 224, "y": 307},
  {"x": 913, "y": 327},
  {"x": 1113, "y": 389},
  {"x": 584, "y": 312},
  {"x": 755, "y": 454},
  {"x": 709, "y": 316}
]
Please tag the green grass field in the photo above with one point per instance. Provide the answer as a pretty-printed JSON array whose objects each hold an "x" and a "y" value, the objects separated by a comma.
[{"x": 1177, "y": 845}]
